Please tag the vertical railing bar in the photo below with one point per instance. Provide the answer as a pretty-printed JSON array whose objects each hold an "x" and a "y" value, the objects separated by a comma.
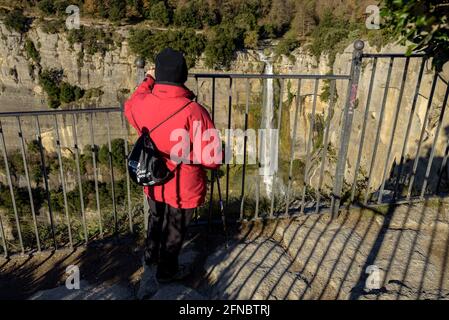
[
  {"x": 432, "y": 153},
  {"x": 78, "y": 170},
  {"x": 228, "y": 148},
  {"x": 47, "y": 188},
  {"x": 128, "y": 182},
  {"x": 197, "y": 89},
  {"x": 443, "y": 165},
  {"x": 395, "y": 123},
  {"x": 2, "y": 234},
  {"x": 379, "y": 129},
  {"x": 421, "y": 138},
  {"x": 325, "y": 144},
  {"x": 94, "y": 163},
  {"x": 308, "y": 146},
  {"x": 63, "y": 183},
  {"x": 292, "y": 146},
  {"x": 365, "y": 124},
  {"x": 211, "y": 199},
  {"x": 11, "y": 189},
  {"x": 111, "y": 166},
  {"x": 259, "y": 153},
  {"x": 245, "y": 140},
  {"x": 146, "y": 207},
  {"x": 276, "y": 159},
  {"x": 347, "y": 120},
  {"x": 409, "y": 127},
  {"x": 213, "y": 99},
  {"x": 27, "y": 176},
  {"x": 212, "y": 180}
]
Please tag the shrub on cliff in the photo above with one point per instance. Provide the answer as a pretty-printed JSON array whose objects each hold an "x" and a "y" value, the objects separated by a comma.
[
  {"x": 147, "y": 44},
  {"x": 57, "y": 90},
  {"x": 287, "y": 44},
  {"x": 49, "y": 81},
  {"x": 187, "y": 16},
  {"x": 117, "y": 10},
  {"x": 16, "y": 21},
  {"x": 222, "y": 43},
  {"x": 47, "y": 7},
  {"x": 93, "y": 40},
  {"x": 70, "y": 93},
  {"x": 422, "y": 22},
  {"x": 331, "y": 32},
  {"x": 53, "y": 7},
  {"x": 31, "y": 51},
  {"x": 160, "y": 14},
  {"x": 251, "y": 39},
  {"x": 117, "y": 154}
]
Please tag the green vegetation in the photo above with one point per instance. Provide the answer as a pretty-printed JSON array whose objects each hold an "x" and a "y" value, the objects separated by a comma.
[
  {"x": 52, "y": 26},
  {"x": 287, "y": 44},
  {"x": 117, "y": 10},
  {"x": 325, "y": 95},
  {"x": 334, "y": 33},
  {"x": 16, "y": 21},
  {"x": 222, "y": 43},
  {"x": 328, "y": 34},
  {"x": 147, "y": 44},
  {"x": 58, "y": 91},
  {"x": 31, "y": 51},
  {"x": 70, "y": 93},
  {"x": 227, "y": 25},
  {"x": 73, "y": 198},
  {"x": 422, "y": 22},
  {"x": 54, "y": 7},
  {"x": 160, "y": 14},
  {"x": 47, "y": 7},
  {"x": 218, "y": 28},
  {"x": 251, "y": 39},
  {"x": 117, "y": 152},
  {"x": 93, "y": 39},
  {"x": 187, "y": 16}
]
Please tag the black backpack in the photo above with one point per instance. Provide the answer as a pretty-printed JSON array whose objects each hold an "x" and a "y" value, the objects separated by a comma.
[{"x": 146, "y": 165}]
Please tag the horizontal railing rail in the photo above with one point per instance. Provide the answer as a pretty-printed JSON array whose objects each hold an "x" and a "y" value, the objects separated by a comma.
[
  {"x": 268, "y": 76},
  {"x": 393, "y": 55},
  {"x": 57, "y": 112}
]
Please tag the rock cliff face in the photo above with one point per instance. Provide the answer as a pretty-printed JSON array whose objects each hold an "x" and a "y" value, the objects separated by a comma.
[{"x": 115, "y": 75}]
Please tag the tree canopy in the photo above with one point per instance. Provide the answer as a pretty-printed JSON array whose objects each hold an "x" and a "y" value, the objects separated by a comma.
[{"x": 422, "y": 22}]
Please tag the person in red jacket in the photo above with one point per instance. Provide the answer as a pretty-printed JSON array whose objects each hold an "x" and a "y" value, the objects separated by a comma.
[{"x": 190, "y": 131}]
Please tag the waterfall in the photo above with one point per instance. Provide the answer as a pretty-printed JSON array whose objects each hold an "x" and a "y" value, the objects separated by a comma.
[{"x": 267, "y": 153}]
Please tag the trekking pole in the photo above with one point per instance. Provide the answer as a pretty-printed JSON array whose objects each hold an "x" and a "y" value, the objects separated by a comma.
[
  {"x": 222, "y": 211},
  {"x": 140, "y": 76}
]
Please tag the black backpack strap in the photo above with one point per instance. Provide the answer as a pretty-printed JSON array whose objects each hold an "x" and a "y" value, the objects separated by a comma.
[
  {"x": 169, "y": 117},
  {"x": 132, "y": 115},
  {"x": 163, "y": 121}
]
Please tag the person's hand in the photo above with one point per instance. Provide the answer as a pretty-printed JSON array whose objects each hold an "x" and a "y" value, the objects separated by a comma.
[{"x": 150, "y": 72}]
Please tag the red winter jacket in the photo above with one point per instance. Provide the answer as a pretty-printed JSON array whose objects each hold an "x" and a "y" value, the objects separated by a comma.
[{"x": 149, "y": 105}]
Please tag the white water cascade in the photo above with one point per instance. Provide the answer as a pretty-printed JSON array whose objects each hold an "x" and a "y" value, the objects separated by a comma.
[{"x": 268, "y": 149}]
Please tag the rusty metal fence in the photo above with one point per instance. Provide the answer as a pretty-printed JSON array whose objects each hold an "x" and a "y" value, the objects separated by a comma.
[{"x": 361, "y": 146}]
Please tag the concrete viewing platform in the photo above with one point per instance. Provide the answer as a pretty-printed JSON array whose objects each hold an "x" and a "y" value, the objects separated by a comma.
[{"x": 396, "y": 252}]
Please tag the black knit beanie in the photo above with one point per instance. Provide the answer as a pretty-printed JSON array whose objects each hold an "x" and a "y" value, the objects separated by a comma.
[{"x": 171, "y": 67}]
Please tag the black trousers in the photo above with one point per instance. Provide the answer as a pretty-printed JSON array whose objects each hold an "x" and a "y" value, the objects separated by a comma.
[{"x": 167, "y": 227}]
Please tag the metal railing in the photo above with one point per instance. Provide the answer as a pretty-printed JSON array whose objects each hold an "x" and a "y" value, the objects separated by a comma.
[{"x": 321, "y": 154}]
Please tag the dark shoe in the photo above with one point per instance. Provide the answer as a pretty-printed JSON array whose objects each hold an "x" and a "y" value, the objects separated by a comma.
[
  {"x": 148, "y": 283},
  {"x": 183, "y": 272}
]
